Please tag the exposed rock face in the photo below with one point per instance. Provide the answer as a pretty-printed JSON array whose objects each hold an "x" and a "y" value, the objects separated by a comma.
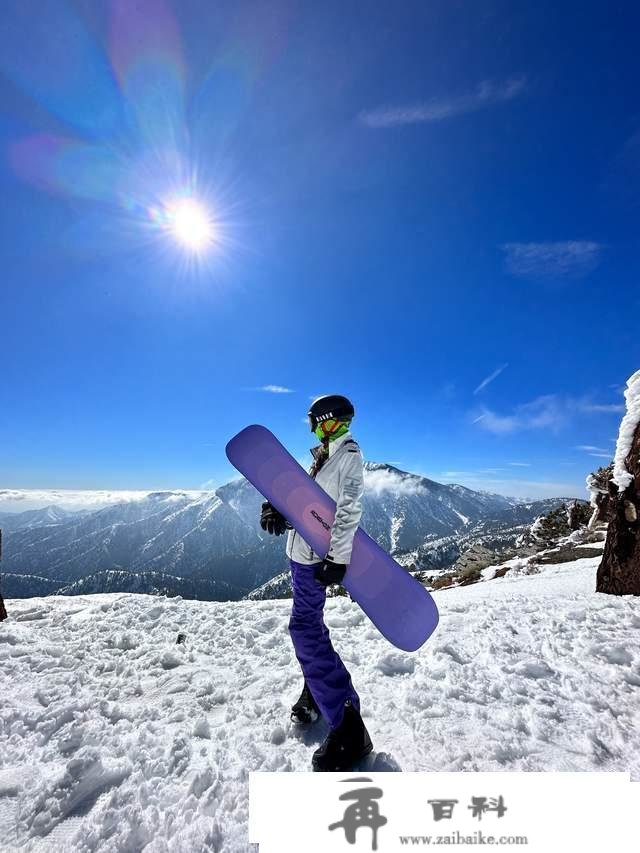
[
  {"x": 473, "y": 561},
  {"x": 619, "y": 571}
]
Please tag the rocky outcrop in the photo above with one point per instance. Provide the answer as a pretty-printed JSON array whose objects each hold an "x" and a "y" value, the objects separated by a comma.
[
  {"x": 562, "y": 521},
  {"x": 471, "y": 563}
]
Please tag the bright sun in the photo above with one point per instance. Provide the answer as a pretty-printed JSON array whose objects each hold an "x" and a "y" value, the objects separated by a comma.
[{"x": 190, "y": 224}]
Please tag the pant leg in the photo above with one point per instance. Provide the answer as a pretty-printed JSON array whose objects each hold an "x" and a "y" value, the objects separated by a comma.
[{"x": 324, "y": 671}]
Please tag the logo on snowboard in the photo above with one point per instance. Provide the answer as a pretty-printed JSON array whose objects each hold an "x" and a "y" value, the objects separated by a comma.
[{"x": 321, "y": 520}]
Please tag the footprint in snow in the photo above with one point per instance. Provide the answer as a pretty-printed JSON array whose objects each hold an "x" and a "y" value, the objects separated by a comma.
[
  {"x": 447, "y": 649},
  {"x": 395, "y": 664},
  {"x": 616, "y": 654},
  {"x": 534, "y": 669},
  {"x": 74, "y": 792},
  {"x": 278, "y": 736},
  {"x": 171, "y": 659},
  {"x": 33, "y": 615},
  {"x": 345, "y": 620},
  {"x": 269, "y": 624}
]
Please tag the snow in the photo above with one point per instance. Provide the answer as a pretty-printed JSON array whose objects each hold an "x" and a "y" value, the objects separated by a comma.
[
  {"x": 115, "y": 738},
  {"x": 621, "y": 477},
  {"x": 396, "y": 528},
  {"x": 594, "y": 490},
  {"x": 516, "y": 566},
  {"x": 536, "y": 527}
]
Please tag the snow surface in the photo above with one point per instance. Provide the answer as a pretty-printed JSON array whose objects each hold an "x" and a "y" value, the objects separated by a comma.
[
  {"x": 114, "y": 738},
  {"x": 621, "y": 477}
]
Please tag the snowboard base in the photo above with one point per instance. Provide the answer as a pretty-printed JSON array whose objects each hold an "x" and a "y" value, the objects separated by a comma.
[{"x": 398, "y": 605}]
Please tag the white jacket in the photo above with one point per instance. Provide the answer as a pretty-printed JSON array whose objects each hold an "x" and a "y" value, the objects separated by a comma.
[{"x": 342, "y": 478}]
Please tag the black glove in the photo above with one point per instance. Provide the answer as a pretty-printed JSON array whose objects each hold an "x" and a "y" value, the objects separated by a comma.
[
  {"x": 329, "y": 572},
  {"x": 272, "y": 520}
]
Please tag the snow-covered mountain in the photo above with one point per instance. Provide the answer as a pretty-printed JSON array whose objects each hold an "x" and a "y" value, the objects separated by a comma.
[
  {"x": 116, "y": 738},
  {"x": 35, "y": 518},
  {"x": 401, "y": 510},
  {"x": 171, "y": 533},
  {"x": 210, "y": 545}
]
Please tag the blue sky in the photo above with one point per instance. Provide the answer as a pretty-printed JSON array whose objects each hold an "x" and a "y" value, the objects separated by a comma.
[{"x": 431, "y": 207}]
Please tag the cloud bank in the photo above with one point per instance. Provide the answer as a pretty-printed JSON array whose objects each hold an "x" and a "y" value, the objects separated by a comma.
[
  {"x": 383, "y": 480},
  {"x": 19, "y": 500}
]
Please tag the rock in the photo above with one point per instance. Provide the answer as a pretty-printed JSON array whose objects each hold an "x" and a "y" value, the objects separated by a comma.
[{"x": 474, "y": 560}]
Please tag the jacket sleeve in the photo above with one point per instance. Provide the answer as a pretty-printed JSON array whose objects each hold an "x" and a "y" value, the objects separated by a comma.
[{"x": 348, "y": 507}]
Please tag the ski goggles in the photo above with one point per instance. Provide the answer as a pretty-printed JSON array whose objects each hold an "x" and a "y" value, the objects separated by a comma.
[
  {"x": 325, "y": 429},
  {"x": 323, "y": 420}
]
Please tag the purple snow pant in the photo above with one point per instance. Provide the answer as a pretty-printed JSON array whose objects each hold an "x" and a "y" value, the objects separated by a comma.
[{"x": 324, "y": 672}]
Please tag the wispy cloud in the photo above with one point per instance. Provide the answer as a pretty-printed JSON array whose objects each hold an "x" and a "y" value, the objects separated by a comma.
[
  {"x": 275, "y": 389},
  {"x": 570, "y": 259},
  {"x": 489, "y": 379},
  {"x": 520, "y": 464},
  {"x": 209, "y": 485},
  {"x": 466, "y": 474},
  {"x": 598, "y": 452},
  {"x": 512, "y": 488},
  {"x": 486, "y": 94},
  {"x": 604, "y": 407},
  {"x": 551, "y": 411}
]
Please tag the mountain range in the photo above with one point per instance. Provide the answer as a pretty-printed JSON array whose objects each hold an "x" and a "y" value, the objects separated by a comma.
[{"x": 209, "y": 545}]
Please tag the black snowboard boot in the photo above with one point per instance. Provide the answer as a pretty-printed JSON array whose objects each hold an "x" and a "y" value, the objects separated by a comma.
[
  {"x": 305, "y": 710},
  {"x": 345, "y": 745}
]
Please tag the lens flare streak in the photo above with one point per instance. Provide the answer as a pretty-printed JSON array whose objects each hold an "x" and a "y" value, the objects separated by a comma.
[{"x": 132, "y": 157}]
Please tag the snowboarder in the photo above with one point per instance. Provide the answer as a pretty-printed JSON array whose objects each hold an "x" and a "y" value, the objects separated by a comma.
[{"x": 337, "y": 467}]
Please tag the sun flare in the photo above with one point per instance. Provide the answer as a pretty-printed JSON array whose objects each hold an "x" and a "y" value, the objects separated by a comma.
[{"x": 189, "y": 222}]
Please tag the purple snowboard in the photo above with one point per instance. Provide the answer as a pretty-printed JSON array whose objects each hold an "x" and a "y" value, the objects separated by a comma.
[{"x": 399, "y": 606}]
